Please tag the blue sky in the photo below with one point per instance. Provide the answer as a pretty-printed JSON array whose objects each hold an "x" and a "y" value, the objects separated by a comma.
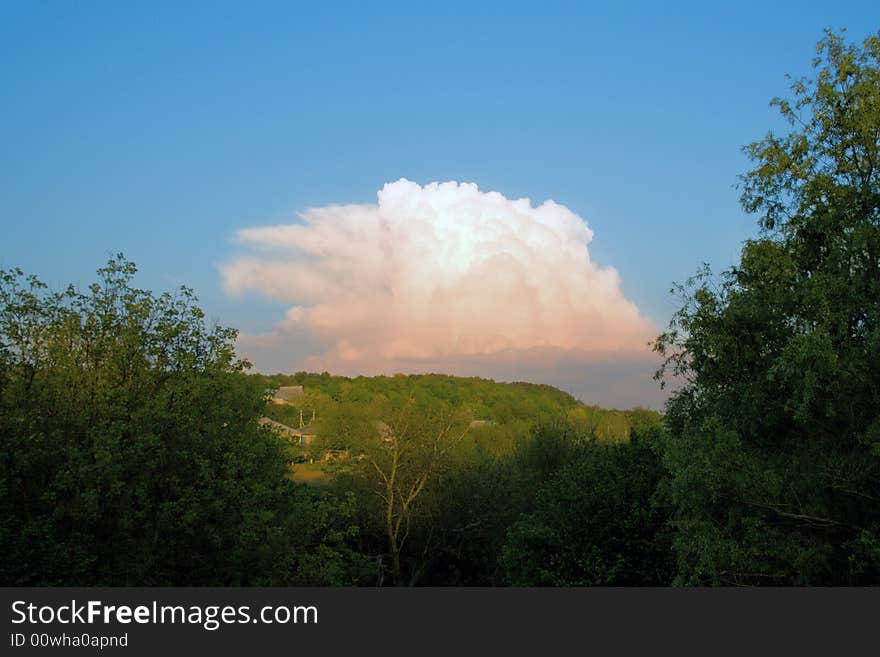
[{"x": 160, "y": 129}]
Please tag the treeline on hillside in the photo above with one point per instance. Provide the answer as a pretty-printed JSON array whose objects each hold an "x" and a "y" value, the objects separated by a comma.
[
  {"x": 488, "y": 399},
  {"x": 495, "y": 403},
  {"x": 131, "y": 450}
]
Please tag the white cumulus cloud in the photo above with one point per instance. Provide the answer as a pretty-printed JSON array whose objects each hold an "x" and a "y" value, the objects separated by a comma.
[{"x": 442, "y": 277}]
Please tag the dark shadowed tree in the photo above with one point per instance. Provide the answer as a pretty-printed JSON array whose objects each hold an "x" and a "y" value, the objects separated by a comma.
[
  {"x": 602, "y": 519},
  {"x": 775, "y": 436},
  {"x": 129, "y": 448}
]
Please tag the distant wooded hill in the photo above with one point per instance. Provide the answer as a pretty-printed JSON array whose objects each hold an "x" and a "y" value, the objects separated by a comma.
[{"x": 489, "y": 400}]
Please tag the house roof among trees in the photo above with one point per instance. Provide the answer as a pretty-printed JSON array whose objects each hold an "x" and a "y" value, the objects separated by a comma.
[{"x": 286, "y": 393}]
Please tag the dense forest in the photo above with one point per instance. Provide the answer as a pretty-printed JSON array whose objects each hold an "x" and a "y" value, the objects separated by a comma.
[{"x": 135, "y": 447}]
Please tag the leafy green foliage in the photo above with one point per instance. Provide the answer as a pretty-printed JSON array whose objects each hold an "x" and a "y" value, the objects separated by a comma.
[
  {"x": 129, "y": 447},
  {"x": 601, "y": 519},
  {"x": 489, "y": 400},
  {"x": 774, "y": 444}
]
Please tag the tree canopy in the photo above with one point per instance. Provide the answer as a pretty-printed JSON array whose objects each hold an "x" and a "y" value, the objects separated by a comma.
[
  {"x": 774, "y": 446},
  {"x": 129, "y": 447}
]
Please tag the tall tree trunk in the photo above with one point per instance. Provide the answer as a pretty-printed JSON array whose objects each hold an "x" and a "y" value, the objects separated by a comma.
[{"x": 390, "y": 526}]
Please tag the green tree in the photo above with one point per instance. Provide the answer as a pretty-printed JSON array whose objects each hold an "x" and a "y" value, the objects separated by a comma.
[
  {"x": 774, "y": 443},
  {"x": 601, "y": 519},
  {"x": 402, "y": 449},
  {"x": 129, "y": 448}
]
